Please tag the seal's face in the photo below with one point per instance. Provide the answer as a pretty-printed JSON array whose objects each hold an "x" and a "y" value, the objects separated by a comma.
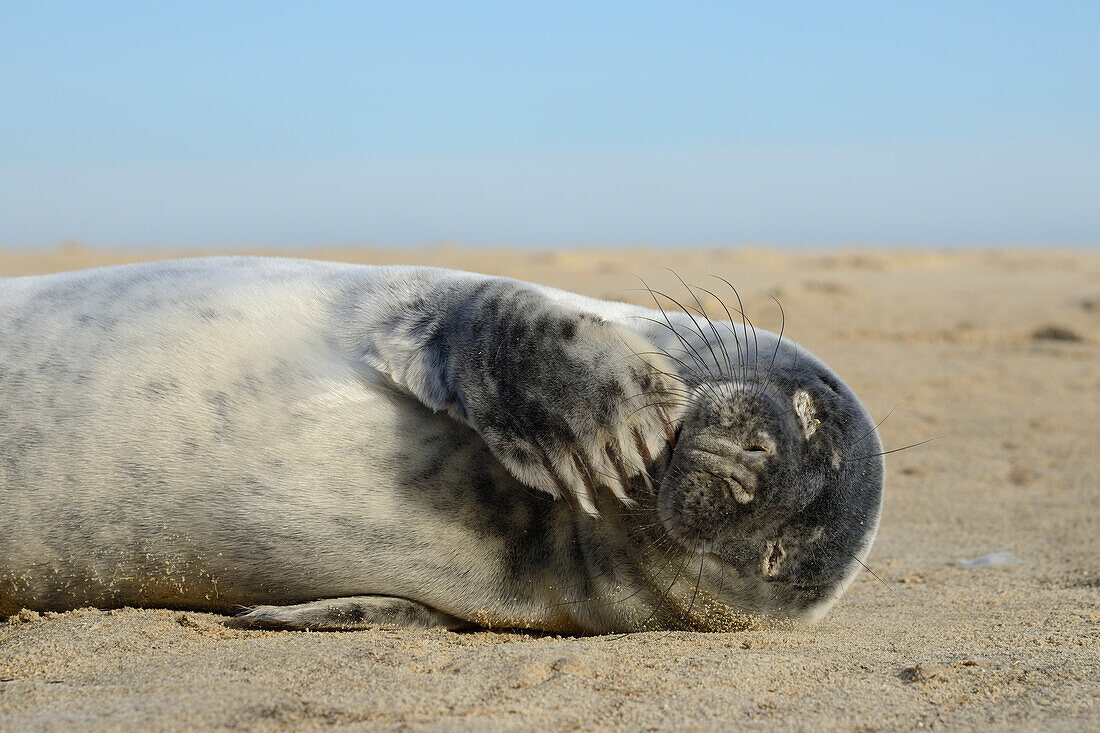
[{"x": 775, "y": 479}]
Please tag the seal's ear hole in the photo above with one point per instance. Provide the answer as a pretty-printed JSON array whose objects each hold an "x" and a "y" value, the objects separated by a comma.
[{"x": 807, "y": 413}]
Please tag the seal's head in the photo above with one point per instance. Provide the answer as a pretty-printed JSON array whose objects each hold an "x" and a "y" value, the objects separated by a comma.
[{"x": 776, "y": 477}]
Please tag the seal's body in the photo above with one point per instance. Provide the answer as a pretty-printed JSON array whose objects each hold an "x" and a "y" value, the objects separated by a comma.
[{"x": 339, "y": 446}]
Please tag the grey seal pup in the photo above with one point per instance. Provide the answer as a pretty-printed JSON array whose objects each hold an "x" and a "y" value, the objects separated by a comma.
[{"x": 331, "y": 446}]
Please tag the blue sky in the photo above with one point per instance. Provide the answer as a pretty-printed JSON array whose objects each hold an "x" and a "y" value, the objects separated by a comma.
[{"x": 232, "y": 124}]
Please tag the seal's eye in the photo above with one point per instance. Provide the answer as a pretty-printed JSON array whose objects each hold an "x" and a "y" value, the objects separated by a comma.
[{"x": 759, "y": 443}]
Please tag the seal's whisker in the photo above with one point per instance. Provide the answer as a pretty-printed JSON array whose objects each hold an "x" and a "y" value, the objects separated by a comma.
[
  {"x": 698, "y": 328},
  {"x": 586, "y": 581},
  {"x": 692, "y": 312},
  {"x": 740, "y": 309},
  {"x": 702, "y": 312},
  {"x": 733, "y": 332},
  {"x": 699, "y": 579},
  {"x": 887, "y": 452},
  {"x": 679, "y": 392},
  {"x": 779, "y": 340},
  {"x": 746, "y": 324},
  {"x": 700, "y": 377},
  {"x": 661, "y": 397},
  {"x": 713, "y": 328},
  {"x": 861, "y": 438},
  {"x": 677, "y": 402},
  {"x": 665, "y": 550},
  {"x": 668, "y": 322},
  {"x": 676, "y": 381},
  {"x": 660, "y": 352},
  {"x": 660, "y": 601},
  {"x": 642, "y": 587},
  {"x": 687, "y": 344},
  {"x": 872, "y": 572}
]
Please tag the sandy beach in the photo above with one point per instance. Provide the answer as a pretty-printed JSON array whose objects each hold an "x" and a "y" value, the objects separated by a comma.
[{"x": 993, "y": 354}]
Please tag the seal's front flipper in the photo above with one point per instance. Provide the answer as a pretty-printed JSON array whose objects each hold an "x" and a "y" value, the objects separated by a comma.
[
  {"x": 346, "y": 614},
  {"x": 565, "y": 399}
]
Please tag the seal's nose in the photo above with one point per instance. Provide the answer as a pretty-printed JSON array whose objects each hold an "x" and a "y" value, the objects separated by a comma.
[
  {"x": 725, "y": 470},
  {"x": 734, "y": 462}
]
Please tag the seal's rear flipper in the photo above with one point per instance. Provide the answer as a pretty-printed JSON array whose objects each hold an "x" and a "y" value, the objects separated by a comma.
[{"x": 345, "y": 614}]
